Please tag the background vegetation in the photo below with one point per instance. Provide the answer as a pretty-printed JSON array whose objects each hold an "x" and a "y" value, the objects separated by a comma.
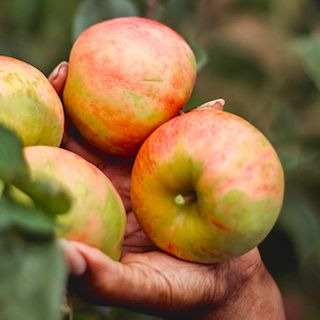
[{"x": 263, "y": 58}]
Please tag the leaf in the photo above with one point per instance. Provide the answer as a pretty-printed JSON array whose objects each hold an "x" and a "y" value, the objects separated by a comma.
[
  {"x": 46, "y": 194},
  {"x": 12, "y": 163},
  {"x": 308, "y": 48},
  {"x": 27, "y": 220},
  {"x": 200, "y": 54},
  {"x": 300, "y": 221},
  {"x": 32, "y": 277},
  {"x": 32, "y": 269},
  {"x": 90, "y": 12},
  {"x": 14, "y": 170},
  {"x": 1, "y": 188}
]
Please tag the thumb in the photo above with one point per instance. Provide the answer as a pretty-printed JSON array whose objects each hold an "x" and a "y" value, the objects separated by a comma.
[
  {"x": 58, "y": 77},
  {"x": 107, "y": 282}
]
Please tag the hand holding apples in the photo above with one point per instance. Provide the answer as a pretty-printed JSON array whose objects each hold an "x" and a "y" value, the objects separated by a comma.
[
  {"x": 148, "y": 87},
  {"x": 150, "y": 280}
]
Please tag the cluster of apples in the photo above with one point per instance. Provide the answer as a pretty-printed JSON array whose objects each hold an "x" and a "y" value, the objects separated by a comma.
[{"x": 206, "y": 185}]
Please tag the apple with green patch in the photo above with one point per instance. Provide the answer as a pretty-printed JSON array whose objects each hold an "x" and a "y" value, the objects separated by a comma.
[
  {"x": 29, "y": 104},
  {"x": 97, "y": 216},
  {"x": 126, "y": 77},
  {"x": 207, "y": 186}
]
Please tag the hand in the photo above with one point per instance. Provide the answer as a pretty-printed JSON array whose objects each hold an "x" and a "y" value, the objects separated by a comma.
[{"x": 151, "y": 281}]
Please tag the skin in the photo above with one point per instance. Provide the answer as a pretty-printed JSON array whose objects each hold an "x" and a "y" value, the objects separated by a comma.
[
  {"x": 151, "y": 281},
  {"x": 124, "y": 81},
  {"x": 217, "y": 179},
  {"x": 29, "y": 104},
  {"x": 96, "y": 218}
]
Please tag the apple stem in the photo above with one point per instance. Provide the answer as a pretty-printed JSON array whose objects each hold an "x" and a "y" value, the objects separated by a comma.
[{"x": 181, "y": 200}]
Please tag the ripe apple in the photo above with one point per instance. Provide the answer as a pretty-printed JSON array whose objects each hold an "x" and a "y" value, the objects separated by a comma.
[
  {"x": 126, "y": 77},
  {"x": 207, "y": 186},
  {"x": 97, "y": 216},
  {"x": 28, "y": 104}
]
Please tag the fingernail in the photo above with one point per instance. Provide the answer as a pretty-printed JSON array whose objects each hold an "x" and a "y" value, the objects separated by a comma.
[
  {"x": 79, "y": 265},
  {"x": 214, "y": 104},
  {"x": 76, "y": 262},
  {"x": 57, "y": 69}
]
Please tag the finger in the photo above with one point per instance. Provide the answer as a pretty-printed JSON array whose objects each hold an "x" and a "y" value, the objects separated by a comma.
[
  {"x": 58, "y": 77},
  {"x": 213, "y": 105},
  {"x": 75, "y": 261},
  {"x": 102, "y": 276},
  {"x": 109, "y": 282},
  {"x": 142, "y": 282}
]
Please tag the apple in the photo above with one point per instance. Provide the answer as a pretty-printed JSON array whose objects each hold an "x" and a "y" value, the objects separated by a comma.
[
  {"x": 29, "y": 104},
  {"x": 207, "y": 186},
  {"x": 126, "y": 77},
  {"x": 97, "y": 216}
]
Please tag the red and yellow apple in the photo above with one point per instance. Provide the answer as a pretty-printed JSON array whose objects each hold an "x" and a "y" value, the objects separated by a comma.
[
  {"x": 29, "y": 104},
  {"x": 126, "y": 77},
  {"x": 207, "y": 186},
  {"x": 97, "y": 216}
]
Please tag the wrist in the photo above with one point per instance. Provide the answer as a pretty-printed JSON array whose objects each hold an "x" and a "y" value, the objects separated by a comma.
[{"x": 257, "y": 298}]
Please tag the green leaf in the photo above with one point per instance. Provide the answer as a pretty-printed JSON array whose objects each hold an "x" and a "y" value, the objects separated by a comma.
[
  {"x": 14, "y": 170},
  {"x": 12, "y": 163},
  {"x": 27, "y": 220},
  {"x": 1, "y": 188},
  {"x": 46, "y": 194},
  {"x": 200, "y": 54},
  {"x": 90, "y": 12},
  {"x": 308, "y": 48},
  {"x": 300, "y": 221},
  {"x": 32, "y": 277}
]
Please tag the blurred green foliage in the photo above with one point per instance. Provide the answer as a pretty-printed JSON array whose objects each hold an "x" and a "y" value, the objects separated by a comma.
[
  {"x": 32, "y": 269},
  {"x": 263, "y": 58}
]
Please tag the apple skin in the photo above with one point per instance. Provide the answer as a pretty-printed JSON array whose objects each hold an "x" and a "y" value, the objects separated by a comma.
[
  {"x": 97, "y": 216},
  {"x": 207, "y": 186},
  {"x": 126, "y": 77},
  {"x": 29, "y": 104}
]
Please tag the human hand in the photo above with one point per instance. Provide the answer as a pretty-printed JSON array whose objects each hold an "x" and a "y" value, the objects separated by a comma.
[{"x": 151, "y": 281}]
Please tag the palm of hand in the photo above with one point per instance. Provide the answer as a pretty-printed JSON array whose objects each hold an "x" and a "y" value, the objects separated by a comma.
[
  {"x": 139, "y": 253},
  {"x": 144, "y": 260},
  {"x": 149, "y": 278}
]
